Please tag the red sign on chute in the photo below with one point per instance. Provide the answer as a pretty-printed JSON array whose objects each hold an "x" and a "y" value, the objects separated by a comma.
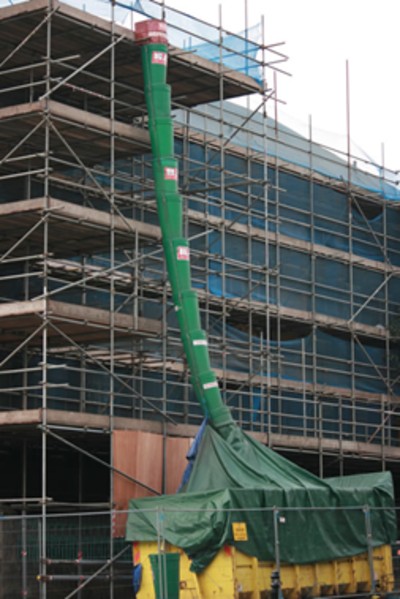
[
  {"x": 170, "y": 173},
  {"x": 182, "y": 252},
  {"x": 158, "y": 57}
]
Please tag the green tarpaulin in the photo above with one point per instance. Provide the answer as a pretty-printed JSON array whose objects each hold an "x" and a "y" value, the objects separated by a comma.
[{"x": 236, "y": 479}]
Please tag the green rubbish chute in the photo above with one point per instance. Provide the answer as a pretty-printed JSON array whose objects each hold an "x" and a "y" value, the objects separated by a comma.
[
  {"x": 153, "y": 39},
  {"x": 234, "y": 478}
]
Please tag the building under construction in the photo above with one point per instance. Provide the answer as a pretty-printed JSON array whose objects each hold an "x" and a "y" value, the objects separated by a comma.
[{"x": 295, "y": 257}]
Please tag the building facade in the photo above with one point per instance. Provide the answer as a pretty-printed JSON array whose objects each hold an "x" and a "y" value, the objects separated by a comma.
[{"x": 295, "y": 255}]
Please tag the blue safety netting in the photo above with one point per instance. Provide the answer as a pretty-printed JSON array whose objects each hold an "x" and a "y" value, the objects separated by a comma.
[
  {"x": 254, "y": 406},
  {"x": 302, "y": 414},
  {"x": 295, "y": 280},
  {"x": 336, "y": 361},
  {"x": 305, "y": 210},
  {"x": 294, "y": 205},
  {"x": 282, "y": 143},
  {"x": 237, "y": 51}
]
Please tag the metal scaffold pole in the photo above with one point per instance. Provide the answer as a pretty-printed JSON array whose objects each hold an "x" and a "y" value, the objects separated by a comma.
[{"x": 44, "y": 381}]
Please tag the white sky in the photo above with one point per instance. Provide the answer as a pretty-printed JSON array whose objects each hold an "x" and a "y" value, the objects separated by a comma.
[{"x": 320, "y": 35}]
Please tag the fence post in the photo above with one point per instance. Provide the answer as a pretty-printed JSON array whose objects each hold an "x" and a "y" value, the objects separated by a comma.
[
  {"x": 24, "y": 553},
  {"x": 276, "y": 541},
  {"x": 276, "y": 574},
  {"x": 368, "y": 530},
  {"x": 275, "y": 585}
]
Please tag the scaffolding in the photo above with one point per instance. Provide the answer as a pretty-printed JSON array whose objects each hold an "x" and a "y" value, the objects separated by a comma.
[{"x": 295, "y": 257}]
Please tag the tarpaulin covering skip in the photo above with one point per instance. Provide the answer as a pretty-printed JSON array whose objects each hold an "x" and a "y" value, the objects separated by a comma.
[
  {"x": 236, "y": 479},
  {"x": 233, "y": 478}
]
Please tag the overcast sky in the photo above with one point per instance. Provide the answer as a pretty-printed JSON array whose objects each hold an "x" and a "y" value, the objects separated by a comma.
[{"x": 320, "y": 36}]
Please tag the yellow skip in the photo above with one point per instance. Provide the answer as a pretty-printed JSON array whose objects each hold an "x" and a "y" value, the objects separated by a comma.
[{"x": 234, "y": 575}]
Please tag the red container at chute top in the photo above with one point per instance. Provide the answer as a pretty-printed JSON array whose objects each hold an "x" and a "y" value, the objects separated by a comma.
[{"x": 151, "y": 32}]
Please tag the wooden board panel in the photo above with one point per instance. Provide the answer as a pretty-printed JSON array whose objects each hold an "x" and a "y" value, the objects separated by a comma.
[
  {"x": 139, "y": 455},
  {"x": 176, "y": 450}
]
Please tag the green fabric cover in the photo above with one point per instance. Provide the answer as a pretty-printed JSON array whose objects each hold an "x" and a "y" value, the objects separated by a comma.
[{"x": 235, "y": 477}]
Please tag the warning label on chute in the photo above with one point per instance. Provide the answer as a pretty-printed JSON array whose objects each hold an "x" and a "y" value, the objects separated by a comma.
[
  {"x": 159, "y": 58},
  {"x": 182, "y": 252},
  {"x": 170, "y": 173}
]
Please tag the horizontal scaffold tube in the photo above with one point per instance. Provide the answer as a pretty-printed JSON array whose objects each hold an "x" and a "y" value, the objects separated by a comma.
[{"x": 152, "y": 36}]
